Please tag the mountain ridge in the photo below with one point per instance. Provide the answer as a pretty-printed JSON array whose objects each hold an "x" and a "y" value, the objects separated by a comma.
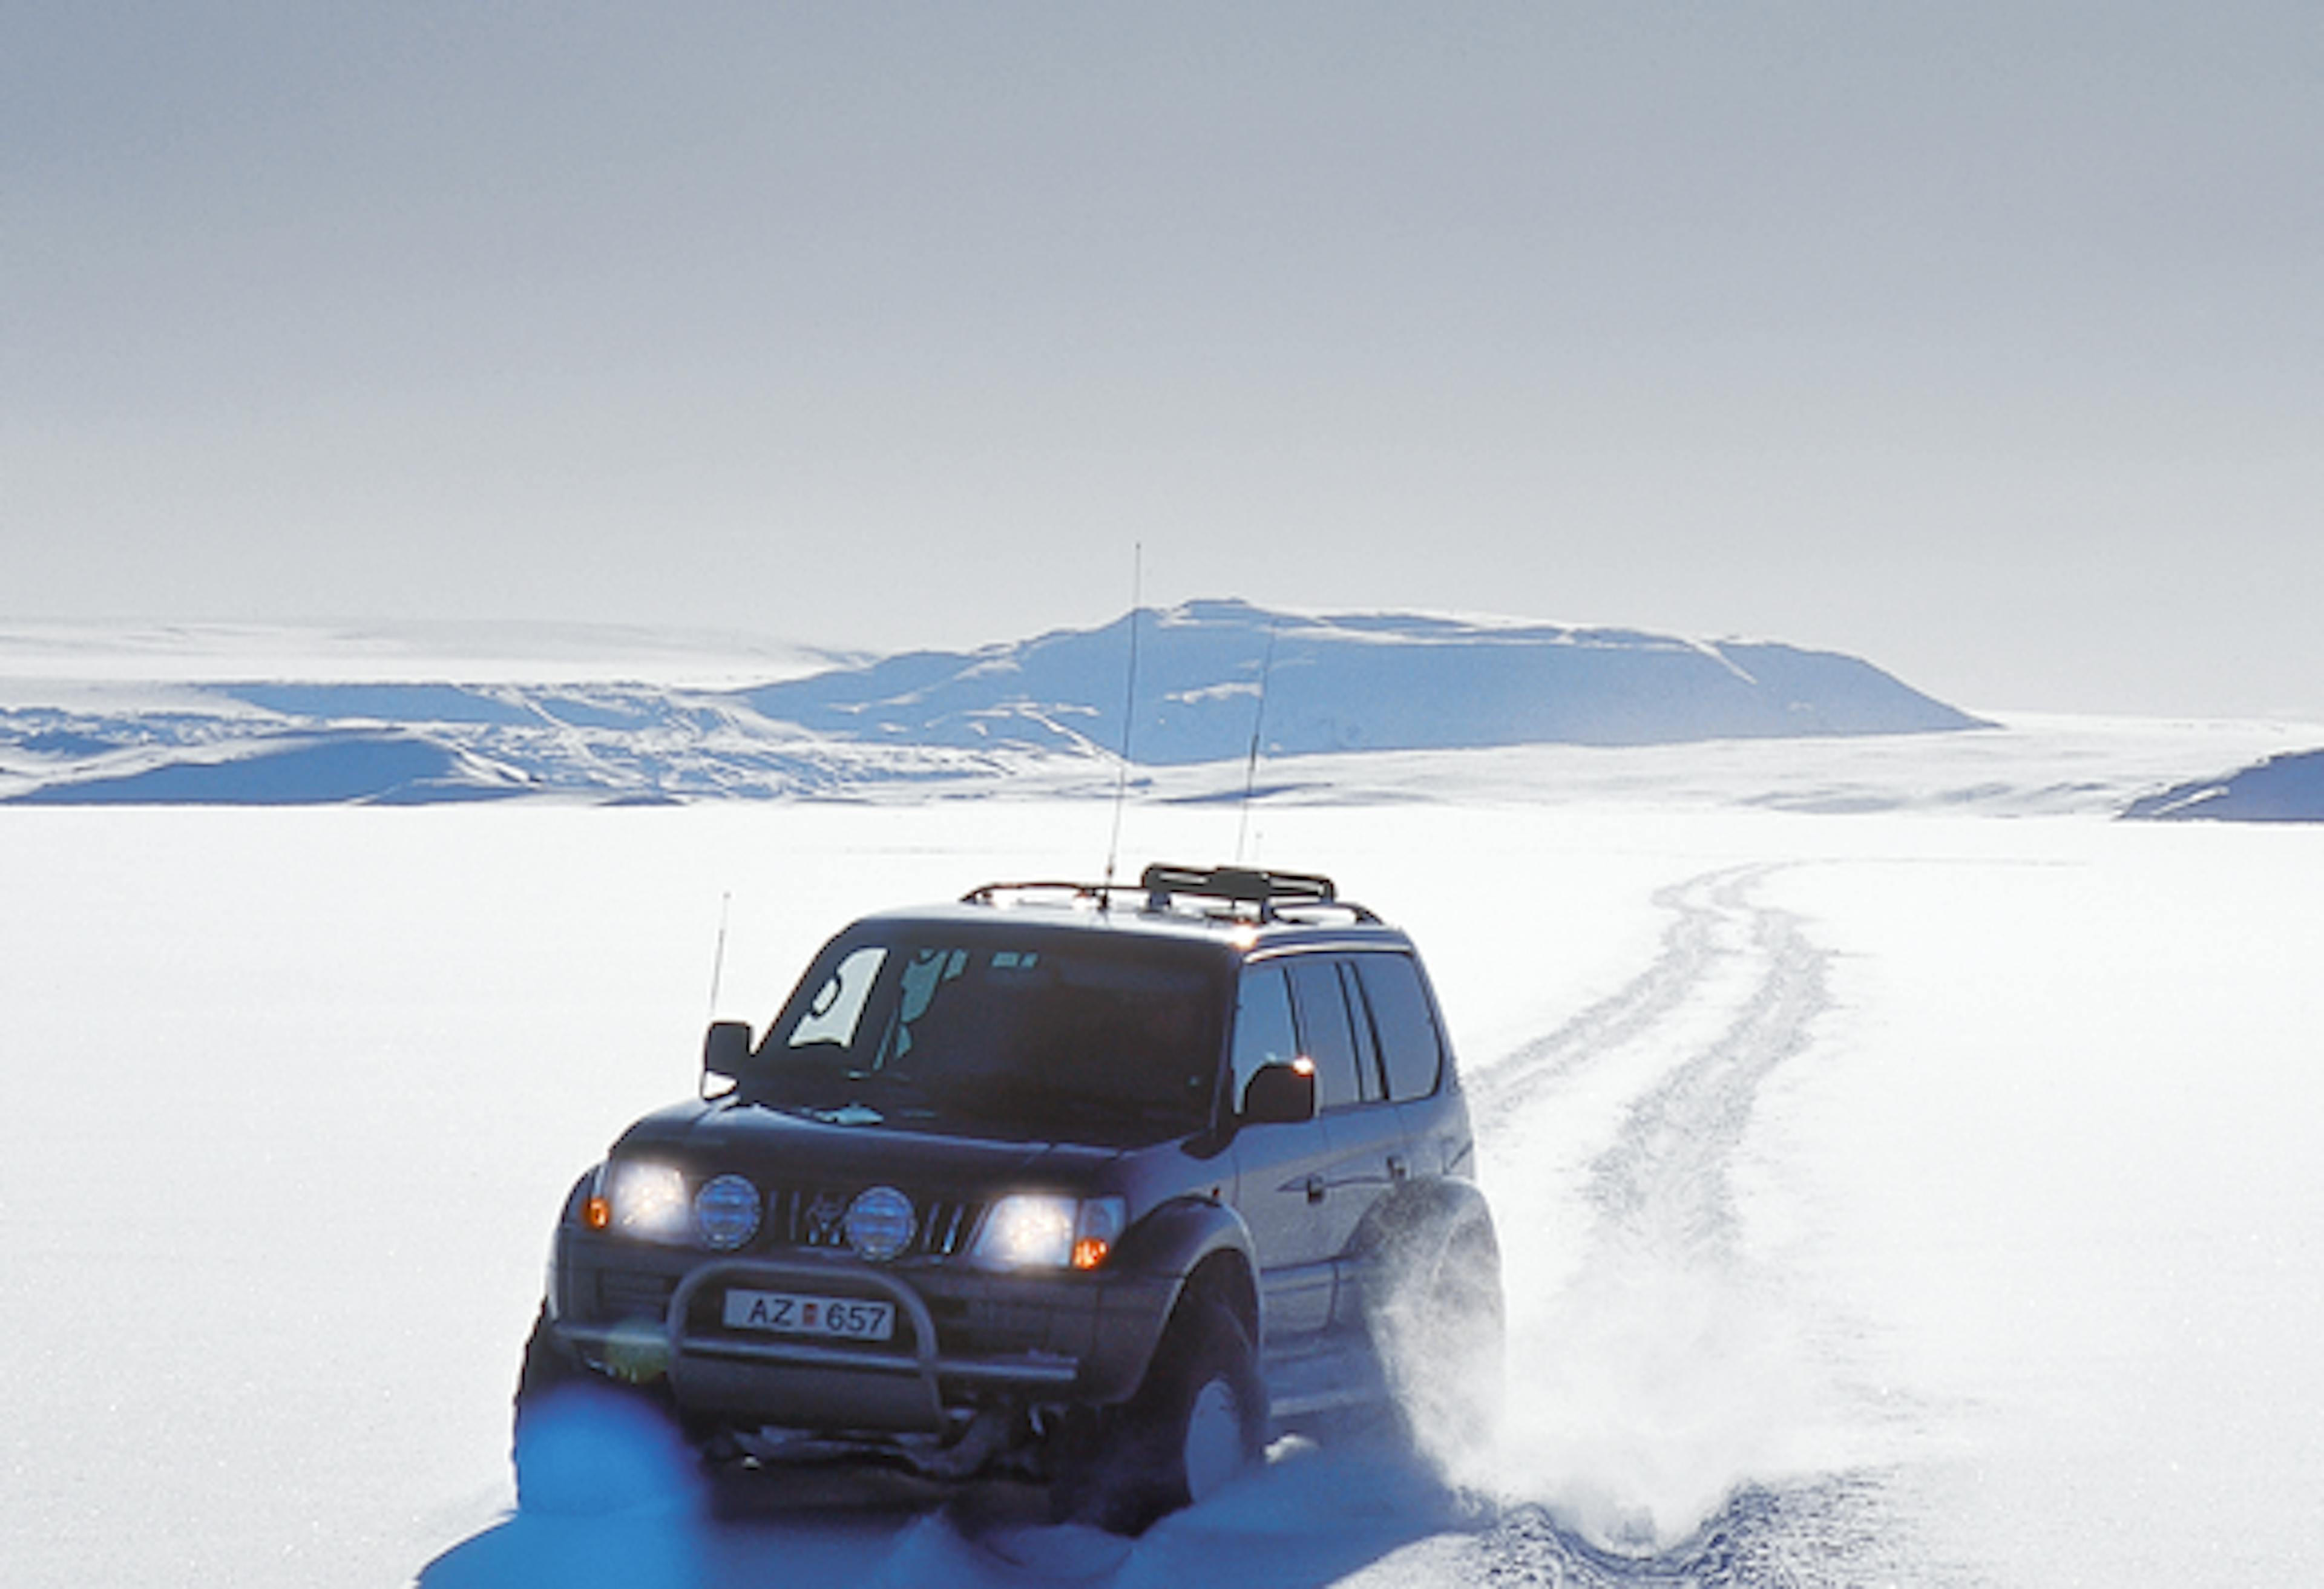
[
  {"x": 1214, "y": 676},
  {"x": 1211, "y": 672}
]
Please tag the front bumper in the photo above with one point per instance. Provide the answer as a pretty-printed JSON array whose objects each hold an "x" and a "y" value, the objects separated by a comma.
[{"x": 965, "y": 1338}]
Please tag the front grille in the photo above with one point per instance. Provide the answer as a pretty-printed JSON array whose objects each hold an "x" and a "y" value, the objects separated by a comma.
[
  {"x": 816, "y": 1218},
  {"x": 949, "y": 1225}
]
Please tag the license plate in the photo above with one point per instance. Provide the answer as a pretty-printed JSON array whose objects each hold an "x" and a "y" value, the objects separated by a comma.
[{"x": 787, "y": 1313}]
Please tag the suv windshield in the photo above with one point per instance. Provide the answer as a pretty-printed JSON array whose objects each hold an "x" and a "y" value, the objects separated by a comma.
[{"x": 1114, "y": 1041}]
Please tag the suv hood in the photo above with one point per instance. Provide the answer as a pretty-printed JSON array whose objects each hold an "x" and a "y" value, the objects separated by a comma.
[{"x": 725, "y": 1134}]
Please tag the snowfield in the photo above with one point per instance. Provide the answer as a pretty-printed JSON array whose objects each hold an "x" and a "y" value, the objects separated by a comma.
[{"x": 1895, "y": 1198}]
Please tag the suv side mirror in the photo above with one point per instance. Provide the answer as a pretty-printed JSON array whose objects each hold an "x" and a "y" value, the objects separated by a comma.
[
  {"x": 725, "y": 1050},
  {"x": 1282, "y": 1094}
]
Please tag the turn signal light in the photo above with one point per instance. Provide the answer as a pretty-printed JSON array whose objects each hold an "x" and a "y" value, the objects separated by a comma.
[
  {"x": 597, "y": 1213},
  {"x": 1090, "y": 1252}
]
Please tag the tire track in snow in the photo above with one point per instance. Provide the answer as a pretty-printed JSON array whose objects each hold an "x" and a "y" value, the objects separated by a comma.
[
  {"x": 1685, "y": 958},
  {"x": 1664, "y": 1181},
  {"x": 1833, "y": 1533},
  {"x": 1661, "y": 1200}
]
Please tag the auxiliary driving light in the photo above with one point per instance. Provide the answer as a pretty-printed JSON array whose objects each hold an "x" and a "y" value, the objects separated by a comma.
[
  {"x": 726, "y": 1213},
  {"x": 879, "y": 1224}
]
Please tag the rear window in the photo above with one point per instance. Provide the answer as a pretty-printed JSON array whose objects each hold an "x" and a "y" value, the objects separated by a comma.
[{"x": 1411, "y": 1049}]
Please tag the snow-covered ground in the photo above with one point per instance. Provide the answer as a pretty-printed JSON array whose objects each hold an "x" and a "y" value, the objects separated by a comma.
[{"x": 1894, "y": 1197}]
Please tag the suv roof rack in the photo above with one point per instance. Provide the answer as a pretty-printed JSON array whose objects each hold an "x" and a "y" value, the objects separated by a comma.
[
  {"x": 989, "y": 893},
  {"x": 1243, "y": 890},
  {"x": 1166, "y": 884}
]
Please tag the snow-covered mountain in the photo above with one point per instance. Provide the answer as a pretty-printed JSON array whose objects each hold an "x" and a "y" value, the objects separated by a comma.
[
  {"x": 1210, "y": 676},
  {"x": 408, "y": 743},
  {"x": 2286, "y": 788},
  {"x": 1352, "y": 681}
]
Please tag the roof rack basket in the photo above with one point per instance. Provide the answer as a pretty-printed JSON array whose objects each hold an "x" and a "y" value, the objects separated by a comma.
[
  {"x": 1242, "y": 890},
  {"x": 1239, "y": 886}
]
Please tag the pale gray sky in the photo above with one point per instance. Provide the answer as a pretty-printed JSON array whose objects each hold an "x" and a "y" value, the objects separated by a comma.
[{"x": 1985, "y": 341}]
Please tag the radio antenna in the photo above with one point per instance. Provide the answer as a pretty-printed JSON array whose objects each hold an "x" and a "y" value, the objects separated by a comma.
[
  {"x": 1129, "y": 720},
  {"x": 1258, "y": 728},
  {"x": 718, "y": 958}
]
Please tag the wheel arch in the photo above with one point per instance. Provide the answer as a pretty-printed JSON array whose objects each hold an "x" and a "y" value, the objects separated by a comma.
[
  {"x": 1192, "y": 1246},
  {"x": 1225, "y": 1275},
  {"x": 1425, "y": 1210}
]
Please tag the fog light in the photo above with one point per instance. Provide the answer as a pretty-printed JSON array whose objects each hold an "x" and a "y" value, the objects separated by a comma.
[
  {"x": 879, "y": 1224},
  {"x": 726, "y": 1213},
  {"x": 637, "y": 1352}
]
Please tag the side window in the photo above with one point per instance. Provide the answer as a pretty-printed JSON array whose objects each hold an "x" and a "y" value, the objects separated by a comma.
[
  {"x": 1263, "y": 1033},
  {"x": 1406, "y": 1029},
  {"x": 1331, "y": 1041},
  {"x": 1368, "y": 1065}
]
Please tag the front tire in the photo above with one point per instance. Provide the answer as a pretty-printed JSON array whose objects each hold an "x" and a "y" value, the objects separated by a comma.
[{"x": 1196, "y": 1424}]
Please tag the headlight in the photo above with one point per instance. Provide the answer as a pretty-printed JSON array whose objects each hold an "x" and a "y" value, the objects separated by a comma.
[
  {"x": 1040, "y": 1230},
  {"x": 646, "y": 1201}
]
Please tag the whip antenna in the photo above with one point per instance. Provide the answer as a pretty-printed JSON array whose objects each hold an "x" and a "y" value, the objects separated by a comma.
[
  {"x": 1257, "y": 727},
  {"x": 718, "y": 958},
  {"x": 1128, "y": 719}
]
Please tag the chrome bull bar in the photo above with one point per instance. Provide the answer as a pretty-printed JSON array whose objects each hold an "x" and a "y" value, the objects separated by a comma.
[{"x": 637, "y": 1349}]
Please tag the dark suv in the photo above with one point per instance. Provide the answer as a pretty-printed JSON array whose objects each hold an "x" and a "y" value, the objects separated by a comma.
[{"x": 1092, "y": 1186}]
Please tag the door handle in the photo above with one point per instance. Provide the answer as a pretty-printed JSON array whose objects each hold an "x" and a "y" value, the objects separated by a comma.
[
  {"x": 1396, "y": 1168},
  {"x": 1314, "y": 1187}
]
